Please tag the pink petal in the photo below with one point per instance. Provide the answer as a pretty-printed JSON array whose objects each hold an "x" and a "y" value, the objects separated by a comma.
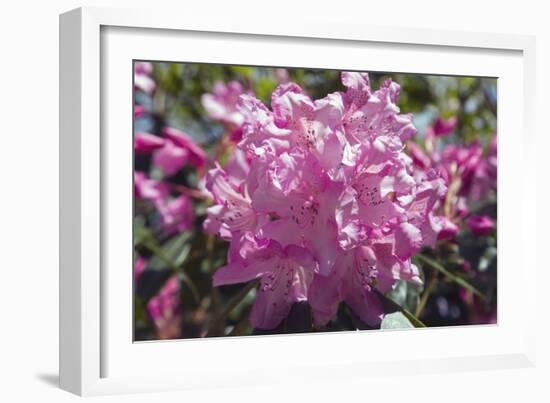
[
  {"x": 367, "y": 306},
  {"x": 197, "y": 156},
  {"x": 170, "y": 158},
  {"x": 481, "y": 225},
  {"x": 408, "y": 240},
  {"x": 144, "y": 143},
  {"x": 238, "y": 272}
]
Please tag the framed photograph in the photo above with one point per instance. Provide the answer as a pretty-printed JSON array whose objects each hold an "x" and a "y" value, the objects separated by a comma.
[{"x": 236, "y": 198}]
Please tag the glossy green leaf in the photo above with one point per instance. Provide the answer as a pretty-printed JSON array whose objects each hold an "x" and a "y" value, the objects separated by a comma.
[{"x": 396, "y": 320}]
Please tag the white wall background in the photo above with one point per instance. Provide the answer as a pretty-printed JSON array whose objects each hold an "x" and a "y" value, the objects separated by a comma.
[{"x": 29, "y": 197}]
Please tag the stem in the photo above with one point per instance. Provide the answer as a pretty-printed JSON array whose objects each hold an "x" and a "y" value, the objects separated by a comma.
[
  {"x": 240, "y": 327},
  {"x": 452, "y": 192},
  {"x": 237, "y": 299},
  {"x": 425, "y": 296},
  {"x": 194, "y": 193},
  {"x": 459, "y": 280},
  {"x": 232, "y": 304},
  {"x": 215, "y": 328}
]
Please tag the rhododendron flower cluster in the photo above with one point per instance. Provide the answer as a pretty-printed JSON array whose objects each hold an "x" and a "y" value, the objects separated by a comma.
[
  {"x": 176, "y": 213},
  {"x": 327, "y": 208},
  {"x": 310, "y": 194},
  {"x": 170, "y": 151},
  {"x": 468, "y": 171},
  {"x": 480, "y": 225},
  {"x": 170, "y": 154},
  {"x": 222, "y": 106},
  {"x": 176, "y": 151}
]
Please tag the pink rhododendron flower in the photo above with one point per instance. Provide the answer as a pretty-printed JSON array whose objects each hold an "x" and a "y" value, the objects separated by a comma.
[
  {"x": 142, "y": 77},
  {"x": 144, "y": 143},
  {"x": 149, "y": 189},
  {"x": 238, "y": 166},
  {"x": 170, "y": 158},
  {"x": 480, "y": 225},
  {"x": 460, "y": 163},
  {"x": 232, "y": 211},
  {"x": 469, "y": 173},
  {"x": 176, "y": 214},
  {"x": 143, "y": 68},
  {"x": 484, "y": 180},
  {"x": 196, "y": 155},
  {"x": 328, "y": 208},
  {"x": 139, "y": 110},
  {"x": 448, "y": 229},
  {"x": 221, "y": 105},
  {"x": 178, "y": 150},
  {"x": 281, "y": 75},
  {"x": 164, "y": 310},
  {"x": 139, "y": 267},
  {"x": 285, "y": 275},
  {"x": 442, "y": 127}
]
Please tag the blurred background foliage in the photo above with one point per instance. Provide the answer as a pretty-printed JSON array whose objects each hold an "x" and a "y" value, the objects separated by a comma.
[{"x": 459, "y": 274}]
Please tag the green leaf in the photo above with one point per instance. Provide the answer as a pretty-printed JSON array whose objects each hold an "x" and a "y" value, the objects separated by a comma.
[
  {"x": 399, "y": 292},
  {"x": 173, "y": 252},
  {"x": 413, "y": 319},
  {"x": 141, "y": 233},
  {"x": 396, "y": 320},
  {"x": 264, "y": 88},
  {"x": 390, "y": 306},
  {"x": 166, "y": 256},
  {"x": 243, "y": 70},
  {"x": 406, "y": 294},
  {"x": 237, "y": 299}
]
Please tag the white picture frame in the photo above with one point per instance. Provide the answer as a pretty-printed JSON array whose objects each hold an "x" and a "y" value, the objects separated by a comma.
[{"x": 96, "y": 354}]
